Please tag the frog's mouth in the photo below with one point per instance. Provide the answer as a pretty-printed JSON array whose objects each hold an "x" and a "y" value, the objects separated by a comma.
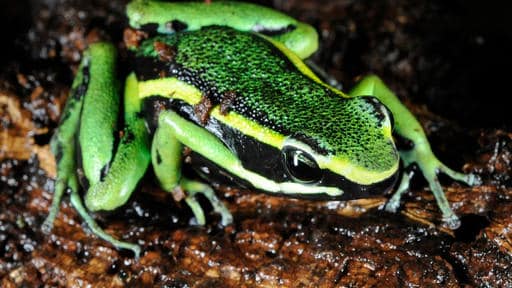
[{"x": 354, "y": 190}]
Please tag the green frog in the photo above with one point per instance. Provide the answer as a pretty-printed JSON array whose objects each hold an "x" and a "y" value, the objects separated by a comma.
[{"x": 226, "y": 83}]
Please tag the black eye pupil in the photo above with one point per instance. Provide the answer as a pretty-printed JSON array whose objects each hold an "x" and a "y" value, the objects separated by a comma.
[{"x": 301, "y": 166}]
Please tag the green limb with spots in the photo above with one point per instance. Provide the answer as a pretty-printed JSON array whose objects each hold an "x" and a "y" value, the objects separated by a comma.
[
  {"x": 409, "y": 128},
  {"x": 100, "y": 112},
  {"x": 88, "y": 81},
  {"x": 299, "y": 37},
  {"x": 76, "y": 201},
  {"x": 166, "y": 151},
  {"x": 63, "y": 144},
  {"x": 93, "y": 90},
  {"x": 130, "y": 161}
]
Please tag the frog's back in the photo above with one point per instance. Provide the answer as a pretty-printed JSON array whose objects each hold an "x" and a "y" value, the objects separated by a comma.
[{"x": 270, "y": 90}]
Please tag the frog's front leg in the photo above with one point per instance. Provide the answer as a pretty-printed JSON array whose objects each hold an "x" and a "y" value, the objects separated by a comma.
[
  {"x": 166, "y": 151},
  {"x": 407, "y": 127}
]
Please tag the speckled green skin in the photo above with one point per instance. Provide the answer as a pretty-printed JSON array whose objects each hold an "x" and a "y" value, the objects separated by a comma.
[
  {"x": 101, "y": 100},
  {"x": 299, "y": 37},
  {"x": 273, "y": 92}
]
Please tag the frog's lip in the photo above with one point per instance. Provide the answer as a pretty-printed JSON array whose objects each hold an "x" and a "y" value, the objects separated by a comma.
[{"x": 351, "y": 190}]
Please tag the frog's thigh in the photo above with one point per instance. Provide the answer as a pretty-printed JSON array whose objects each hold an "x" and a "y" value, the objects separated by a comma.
[
  {"x": 166, "y": 152},
  {"x": 130, "y": 161},
  {"x": 100, "y": 111},
  {"x": 63, "y": 143}
]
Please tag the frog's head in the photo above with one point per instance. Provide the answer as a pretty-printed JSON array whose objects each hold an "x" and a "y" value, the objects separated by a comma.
[{"x": 351, "y": 148}]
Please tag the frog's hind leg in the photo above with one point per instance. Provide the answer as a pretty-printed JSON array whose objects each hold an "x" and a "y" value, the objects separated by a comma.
[
  {"x": 77, "y": 202},
  {"x": 166, "y": 151},
  {"x": 94, "y": 81},
  {"x": 407, "y": 127},
  {"x": 71, "y": 182},
  {"x": 63, "y": 143}
]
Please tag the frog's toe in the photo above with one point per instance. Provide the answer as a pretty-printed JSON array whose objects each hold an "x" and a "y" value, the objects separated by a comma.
[
  {"x": 392, "y": 206},
  {"x": 61, "y": 186},
  {"x": 449, "y": 218},
  {"x": 473, "y": 179},
  {"x": 76, "y": 201},
  {"x": 470, "y": 178},
  {"x": 451, "y": 221},
  {"x": 394, "y": 201},
  {"x": 197, "y": 210},
  {"x": 194, "y": 187},
  {"x": 226, "y": 217}
]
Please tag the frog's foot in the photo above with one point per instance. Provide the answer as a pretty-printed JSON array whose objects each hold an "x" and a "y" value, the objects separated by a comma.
[
  {"x": 60, "y": 187},
  {"x": 430, "y": 166},
  {"x": 76, "y": 201},
  {"x": 195, "y": 187},
  {"x": 394, "y": 201}
]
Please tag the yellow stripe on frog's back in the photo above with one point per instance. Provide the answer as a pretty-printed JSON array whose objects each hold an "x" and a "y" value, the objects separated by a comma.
[
  {"x": 300, "y": 65},
  {"x": 178, "y": 89}
]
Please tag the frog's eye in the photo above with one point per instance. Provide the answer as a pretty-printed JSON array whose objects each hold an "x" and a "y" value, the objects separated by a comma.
[{"x": 301, "y": 166}]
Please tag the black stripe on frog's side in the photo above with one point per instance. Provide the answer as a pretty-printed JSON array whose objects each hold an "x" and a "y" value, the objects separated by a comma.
[
  {"x": 150, "y": 28},
  {"x": 153, "y": 105},
  {"x": 149, "y": 68},
  {"x": 273, "y": 32},
  {"x": 77, "y": 93},
  {"x": 247, "y": 149},
  {"x": 268, "y": 162},
  {"x": 255, "y": 156},
  {"x": 176, "y": 25}
]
